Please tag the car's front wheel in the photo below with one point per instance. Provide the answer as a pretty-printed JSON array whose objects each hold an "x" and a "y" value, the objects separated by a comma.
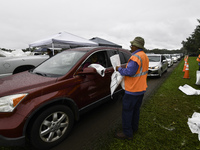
[
  {"x": 51, "y": 127},
  {"x": 160, "y": 73}
]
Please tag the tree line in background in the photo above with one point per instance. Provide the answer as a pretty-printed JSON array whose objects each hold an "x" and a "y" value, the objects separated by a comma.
[
  {"x": 192, "y": 43},
  {"x": 165, "y": 51},
  {"x": 190, "y": 47}
]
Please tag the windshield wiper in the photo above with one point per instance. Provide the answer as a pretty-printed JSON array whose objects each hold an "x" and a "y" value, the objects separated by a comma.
[
  {"x": 45, "y": 75},
  {"x": 39, "y": 73}
]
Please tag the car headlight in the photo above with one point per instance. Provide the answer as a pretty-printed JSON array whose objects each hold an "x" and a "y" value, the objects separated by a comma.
[
  {"x": 156, "y": 67},
  {"x": 8, "y": 103}
]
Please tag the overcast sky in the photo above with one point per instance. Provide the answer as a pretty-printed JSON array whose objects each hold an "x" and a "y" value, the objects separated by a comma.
[{"x": 162, "y": 23}]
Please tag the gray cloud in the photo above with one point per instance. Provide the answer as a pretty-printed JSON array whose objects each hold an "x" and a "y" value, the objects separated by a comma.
[{"x": 163, "y": 24}]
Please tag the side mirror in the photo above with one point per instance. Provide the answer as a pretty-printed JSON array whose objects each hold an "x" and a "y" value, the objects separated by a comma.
[{"x": 88, "y": 70}]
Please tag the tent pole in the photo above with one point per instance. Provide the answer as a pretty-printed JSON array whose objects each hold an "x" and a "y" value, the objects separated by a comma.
[{"x": 53, "y": 48}]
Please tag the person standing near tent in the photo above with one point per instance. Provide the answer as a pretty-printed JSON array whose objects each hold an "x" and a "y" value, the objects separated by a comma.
[
  {"x": 49, "y": 52},
  {"x": 135, "y": 82},
  {"x": 198, "y": 59}
]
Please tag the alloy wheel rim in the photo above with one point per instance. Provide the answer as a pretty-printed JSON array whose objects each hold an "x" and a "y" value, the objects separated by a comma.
[{"x": 54, "y": 126}]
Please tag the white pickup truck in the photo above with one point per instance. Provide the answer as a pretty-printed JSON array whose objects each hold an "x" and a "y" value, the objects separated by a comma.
[{"x": 12, "y": 65}]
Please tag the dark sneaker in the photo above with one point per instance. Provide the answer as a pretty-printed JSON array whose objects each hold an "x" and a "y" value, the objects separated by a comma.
[{"x": 122, "y": 136}]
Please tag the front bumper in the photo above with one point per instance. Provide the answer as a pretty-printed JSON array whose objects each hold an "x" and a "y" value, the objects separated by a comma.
[
  {"x": 4, "y": 141},
  {"x": 5, "y": 75},
  {"x": 153, "y": 73}
]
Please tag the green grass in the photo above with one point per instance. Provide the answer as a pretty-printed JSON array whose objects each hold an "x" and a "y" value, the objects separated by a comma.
[{"x": 163, "y": 118}]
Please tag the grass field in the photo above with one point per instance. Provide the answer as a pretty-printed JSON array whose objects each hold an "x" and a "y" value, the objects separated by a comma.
[{"x": 163, "y": 118}]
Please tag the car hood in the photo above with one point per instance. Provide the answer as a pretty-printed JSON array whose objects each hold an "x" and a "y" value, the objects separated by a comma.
[
  {"x": 26, "y": 57},
  {"x": 153, "y": 64},
  {"x": 23, "y": 82}
]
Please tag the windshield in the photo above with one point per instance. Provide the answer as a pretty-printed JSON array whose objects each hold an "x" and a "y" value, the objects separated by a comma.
[
  {"x": 60, "y": 64},
  {"x": 174, "y": 55},
  {"x": 167, "y": 56},
  {"x": 154, "y": 58}
]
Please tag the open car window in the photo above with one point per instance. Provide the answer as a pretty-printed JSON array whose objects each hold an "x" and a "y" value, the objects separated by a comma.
[{"x": 99, "y": 57}]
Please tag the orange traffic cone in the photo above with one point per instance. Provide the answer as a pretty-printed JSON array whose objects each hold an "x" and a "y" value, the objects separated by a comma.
[
  {"x": 184, "y": 67},
  {"x": 186, "y": 75},
  {"x": 186, "y": 62}
]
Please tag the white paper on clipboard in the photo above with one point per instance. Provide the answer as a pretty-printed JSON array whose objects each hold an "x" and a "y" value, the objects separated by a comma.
[
  {"x": 116, "y": 77},
  {"x": 115, "y": 61}
]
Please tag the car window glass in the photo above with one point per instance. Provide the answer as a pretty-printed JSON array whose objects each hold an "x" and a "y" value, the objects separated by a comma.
[
  {"x": 167, "y": 56},
  {"x": 124, "y": 57},
  {"x": 127, "y": 56},
  {"x": 111, "y": 53},
  {"x": 2, "y": 55},
  {"x": 163, "y": 58},
  {"x": 60, "y": 64},
  {"x": 154, "y": 58}
]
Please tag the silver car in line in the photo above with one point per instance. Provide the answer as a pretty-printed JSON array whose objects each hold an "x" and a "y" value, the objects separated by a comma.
[
  {"x": 157, "y": 64},
  {"x": 175, "y": 58},
  {"x": 169, "y": 59}
]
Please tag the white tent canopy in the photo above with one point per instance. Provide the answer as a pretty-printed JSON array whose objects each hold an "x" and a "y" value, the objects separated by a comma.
[{"x": 63, "y": 40}]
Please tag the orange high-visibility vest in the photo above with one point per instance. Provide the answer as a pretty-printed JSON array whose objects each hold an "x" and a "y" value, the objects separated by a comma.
[
  {"x": 138, "y": 82},
  {"x": 198, "y": 58}
]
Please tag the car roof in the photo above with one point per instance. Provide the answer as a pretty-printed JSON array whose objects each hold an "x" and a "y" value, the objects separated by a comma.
[
  {"x": 153, "y": 54},
  {"x": 86, "y": 49}
]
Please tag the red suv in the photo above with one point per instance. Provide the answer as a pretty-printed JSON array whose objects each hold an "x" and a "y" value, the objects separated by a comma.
[{"x": 42, "y": 104}]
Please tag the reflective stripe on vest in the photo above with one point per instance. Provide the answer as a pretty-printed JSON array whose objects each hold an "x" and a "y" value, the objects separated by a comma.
[{"x": 141, "y": 73}]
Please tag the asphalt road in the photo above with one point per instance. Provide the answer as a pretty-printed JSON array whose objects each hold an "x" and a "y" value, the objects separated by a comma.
[{"x": 95, "y": 124}]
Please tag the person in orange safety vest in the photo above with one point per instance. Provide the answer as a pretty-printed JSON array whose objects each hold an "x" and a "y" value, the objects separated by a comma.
[
  {"x": 135, "y": 82},
  {"x": 198, "y": 59}
]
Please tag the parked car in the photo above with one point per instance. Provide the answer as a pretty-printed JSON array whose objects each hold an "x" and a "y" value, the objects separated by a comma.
[
  {"x": 157, "y": 64},
  {"x": 169, "y": 59},
  {"x": 13, "y": 65},
  {"x": 42, "y": 104}
]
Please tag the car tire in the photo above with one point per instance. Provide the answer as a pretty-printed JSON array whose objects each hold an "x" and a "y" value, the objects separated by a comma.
[
  {"x": 166, "y": 69},
  {"x": 51, "y": 127},
  {"x": 160, "y": 74}
]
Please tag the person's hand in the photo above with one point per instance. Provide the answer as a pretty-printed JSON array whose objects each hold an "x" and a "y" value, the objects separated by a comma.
[{"x": 117, "y": 68}]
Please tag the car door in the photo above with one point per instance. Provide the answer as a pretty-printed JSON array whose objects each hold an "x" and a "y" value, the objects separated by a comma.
[
  {"x": 93, "y": 87},
  {"x": 164, "y": 63}
]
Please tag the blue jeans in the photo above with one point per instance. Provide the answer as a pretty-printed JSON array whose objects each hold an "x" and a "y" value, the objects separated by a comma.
[{"x": 131, "y": 113}]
